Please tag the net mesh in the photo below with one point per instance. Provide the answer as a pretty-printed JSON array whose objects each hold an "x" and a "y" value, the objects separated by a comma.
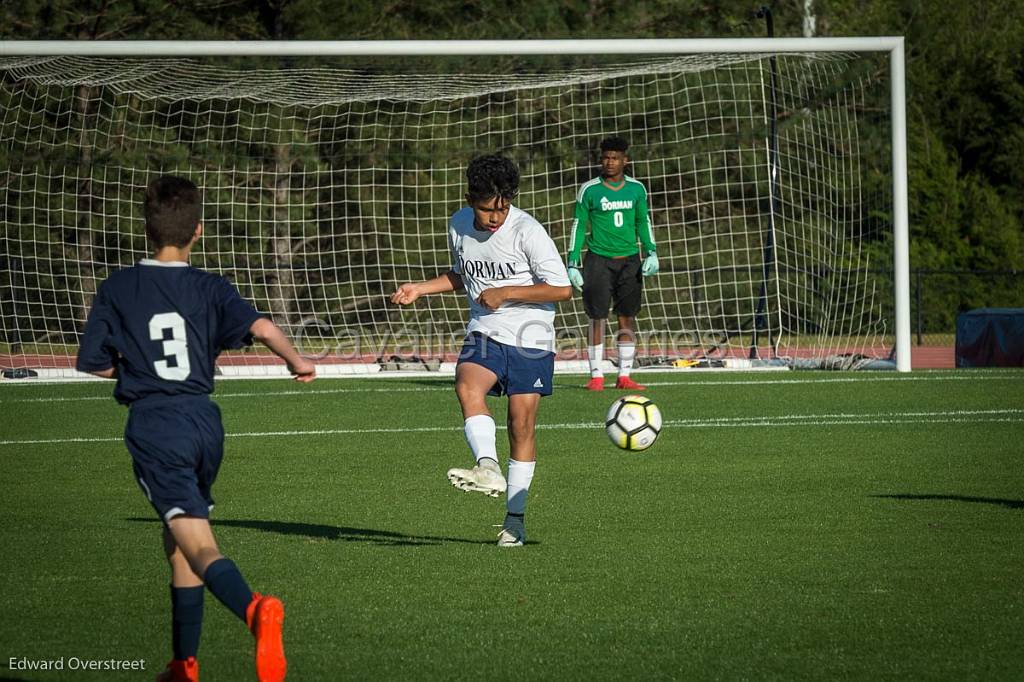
[{"x": 325, "y": 188}]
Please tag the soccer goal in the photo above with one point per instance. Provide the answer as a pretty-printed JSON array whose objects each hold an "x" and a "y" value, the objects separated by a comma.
[{"x": 776, "y": 173}]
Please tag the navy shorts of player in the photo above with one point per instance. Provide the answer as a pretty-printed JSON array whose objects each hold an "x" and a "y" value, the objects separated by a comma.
[
  {"x": 519, "y": 370},
  {"x": 176, "y": 444}
]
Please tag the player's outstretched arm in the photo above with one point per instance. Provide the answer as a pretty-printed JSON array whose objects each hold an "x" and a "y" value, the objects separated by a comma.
[
  {"x": 270, "y": 335},
  {"x": 410, "y": 291},
  {"x": 106, "y": 373}
]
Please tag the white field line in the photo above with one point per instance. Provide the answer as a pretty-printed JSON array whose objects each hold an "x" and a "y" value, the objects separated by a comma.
[
  {"x": 807, "y": 420},
  {"x": 427, "y": 389}
]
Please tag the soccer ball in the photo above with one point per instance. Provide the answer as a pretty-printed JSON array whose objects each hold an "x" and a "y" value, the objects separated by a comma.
[{"x": 633, "y": 423}]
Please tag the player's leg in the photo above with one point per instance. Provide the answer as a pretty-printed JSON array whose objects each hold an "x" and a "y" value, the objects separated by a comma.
[
  {"x": 475, "y": 377},
  {"x": 628, "y": 295},
  {"x": 597, "y": 292},
  {"x": 160, "y": 447},
  {"x": 264, "y": 615},
  {"x": 176, "y": 451},
  {"x": 627, "y": 330},
  {"x": 595, "y": 354},
  {"x": 522, "y": 419},
  {"x": 472, "y": 384},
  {"x": 531, "y": 375},
  {"x": 194, "y": 539},
  {"x": 189, "y": 524},
  {"x": 187, "y": 594},
  {"x": 595, "y": 337},
  {"x": 626, "y": 341},
  {"x": 195, "y": 559}
]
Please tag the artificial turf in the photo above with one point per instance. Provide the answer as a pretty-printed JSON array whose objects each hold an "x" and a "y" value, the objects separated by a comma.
[{"x": 793, "y": 525}]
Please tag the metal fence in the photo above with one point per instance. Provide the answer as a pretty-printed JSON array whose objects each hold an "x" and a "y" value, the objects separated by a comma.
[{"x": 938, "y": 296}]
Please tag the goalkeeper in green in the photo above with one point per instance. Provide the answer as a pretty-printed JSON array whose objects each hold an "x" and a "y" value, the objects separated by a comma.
[{"x": 614, "y": 207}]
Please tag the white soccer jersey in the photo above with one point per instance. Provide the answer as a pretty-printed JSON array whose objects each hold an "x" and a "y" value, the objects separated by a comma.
[{"x": 519, "y": 253}]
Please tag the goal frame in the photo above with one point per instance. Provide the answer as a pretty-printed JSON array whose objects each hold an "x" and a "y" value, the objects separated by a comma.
[{"x": 893, "y": 45}]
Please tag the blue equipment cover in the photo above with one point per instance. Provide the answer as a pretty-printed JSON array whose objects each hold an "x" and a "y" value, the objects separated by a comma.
[{"x": 990, "y": 337}]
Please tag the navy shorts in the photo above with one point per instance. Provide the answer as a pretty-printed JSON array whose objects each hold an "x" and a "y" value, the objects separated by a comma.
[
  {"x": 176, "y": 443},
  {"x": 519, "y": 370},
  {"x": 611, "y": 279}
]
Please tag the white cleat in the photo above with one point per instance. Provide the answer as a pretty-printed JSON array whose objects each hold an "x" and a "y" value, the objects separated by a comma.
[
  {"x": 513, "y": 533},
  {"x": 478, "y": 480}
]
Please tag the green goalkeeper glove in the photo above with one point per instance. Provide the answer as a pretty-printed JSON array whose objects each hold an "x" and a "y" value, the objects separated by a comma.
[
  {"x": 576, "y": 278},
  {"x": 650, "y": 266}
]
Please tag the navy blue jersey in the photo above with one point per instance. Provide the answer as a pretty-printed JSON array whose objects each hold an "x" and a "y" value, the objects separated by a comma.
[{"x": 162, "y": 325}]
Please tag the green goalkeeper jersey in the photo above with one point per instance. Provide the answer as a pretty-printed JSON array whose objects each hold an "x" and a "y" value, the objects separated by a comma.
[{"x": 617, "y": 218}]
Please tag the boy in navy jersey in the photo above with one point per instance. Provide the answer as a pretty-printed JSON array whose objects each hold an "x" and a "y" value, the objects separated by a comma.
[{"x": 157, "y": 328}]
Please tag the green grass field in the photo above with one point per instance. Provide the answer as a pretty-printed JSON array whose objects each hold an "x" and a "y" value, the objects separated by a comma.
[{"x": 785, "y": 526}]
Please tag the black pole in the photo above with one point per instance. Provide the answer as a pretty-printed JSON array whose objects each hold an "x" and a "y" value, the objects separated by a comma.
[
  {"x": 768, "y": 259},
  {"x": 917, "y": 299},
  {"x": 766, "y": 13}
]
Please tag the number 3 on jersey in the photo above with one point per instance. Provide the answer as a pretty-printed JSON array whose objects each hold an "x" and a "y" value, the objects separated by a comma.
[{"x": 175, "y": 347}]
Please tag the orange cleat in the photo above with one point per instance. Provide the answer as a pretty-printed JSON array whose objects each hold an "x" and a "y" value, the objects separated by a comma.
[
  {"x": 180, "y": 671},
  {"x": 265, "y": 618},
  {"x": 628, "y": 384},
  {"x": 596, "y": 384}
]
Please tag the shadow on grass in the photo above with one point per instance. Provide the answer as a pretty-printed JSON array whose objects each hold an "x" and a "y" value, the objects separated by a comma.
[
  {"x": 1009, "y": 504},
  {"x": 319, "y": 531}
]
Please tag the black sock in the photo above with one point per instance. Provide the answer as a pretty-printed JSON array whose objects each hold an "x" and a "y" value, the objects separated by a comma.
[
  {"x": 186, "y": 620},
  {"x": 227, "y": 584}
]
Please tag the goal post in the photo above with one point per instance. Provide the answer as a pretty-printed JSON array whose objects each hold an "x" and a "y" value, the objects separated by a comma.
[{"x": 328, "y": 183}]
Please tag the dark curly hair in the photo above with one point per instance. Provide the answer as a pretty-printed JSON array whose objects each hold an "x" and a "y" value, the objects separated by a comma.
[
  {"x": 490, "y": 176},
  {"x": 172, "y": 207},
  {"x": 614, "y": 144}
]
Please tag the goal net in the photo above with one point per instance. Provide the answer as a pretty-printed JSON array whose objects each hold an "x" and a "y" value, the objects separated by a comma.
[{"x": 326, "y": 185}]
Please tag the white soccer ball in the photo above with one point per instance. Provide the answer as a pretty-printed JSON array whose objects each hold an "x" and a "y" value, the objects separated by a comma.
[{"x": 633, "y": 423}]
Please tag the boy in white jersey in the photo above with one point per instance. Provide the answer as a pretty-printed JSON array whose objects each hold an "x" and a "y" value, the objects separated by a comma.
[{"x": 512, "y": 275}]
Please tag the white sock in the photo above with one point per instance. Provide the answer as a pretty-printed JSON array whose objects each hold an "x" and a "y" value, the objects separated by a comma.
[
  {"x": 627, "y": 351},
  {"x": 595, "y": 354},
  {"x": 519, "y": 476},
  {"x": 480, "y": 434}
]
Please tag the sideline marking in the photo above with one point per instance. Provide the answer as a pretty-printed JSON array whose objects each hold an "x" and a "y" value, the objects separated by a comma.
[
  {"x": 942, "y": 417},
  {"x": 449, "y": 387}
]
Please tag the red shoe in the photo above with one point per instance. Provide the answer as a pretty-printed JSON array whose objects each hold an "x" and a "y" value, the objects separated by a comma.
[
  {"x": 596, "y": 384},
  {"x": 265, "y": 618},
  {"x": 628, "y": 384},
  {"x": 180, "y": 671}
]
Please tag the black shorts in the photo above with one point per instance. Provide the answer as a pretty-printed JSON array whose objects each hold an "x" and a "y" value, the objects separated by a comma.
[
  {"x": 611, "y": 279},
  {"x": 176, "y": 443}
]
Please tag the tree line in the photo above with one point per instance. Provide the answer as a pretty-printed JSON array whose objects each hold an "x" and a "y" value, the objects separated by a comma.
[{"x": 965, "y": 87}]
